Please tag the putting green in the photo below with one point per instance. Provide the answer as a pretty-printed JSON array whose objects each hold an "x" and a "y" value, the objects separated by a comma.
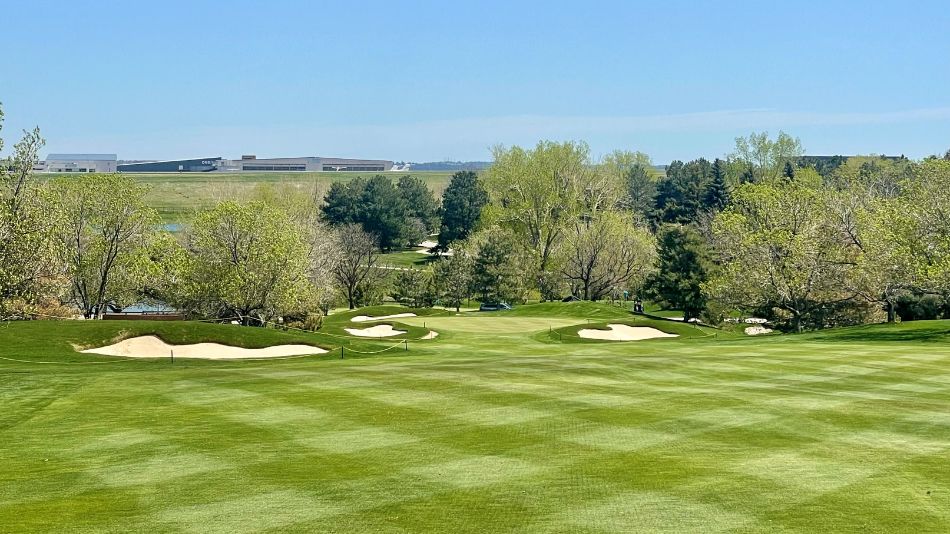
[{"x": 843, "y": 431}]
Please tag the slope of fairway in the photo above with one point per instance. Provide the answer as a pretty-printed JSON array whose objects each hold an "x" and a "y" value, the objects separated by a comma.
[{"x": 484, "y": 432}]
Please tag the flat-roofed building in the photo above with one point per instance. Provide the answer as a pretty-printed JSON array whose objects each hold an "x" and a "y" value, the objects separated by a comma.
[
  {"x": 81, "y": 163},
  {"x": 177, "y": 165},
  {"x": 250, "y": 163},
  {"x": 343, "y": 164}
]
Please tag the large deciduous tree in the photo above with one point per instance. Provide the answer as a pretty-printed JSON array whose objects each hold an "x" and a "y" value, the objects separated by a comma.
[
  {"x": 606, "y": 252},
  {"x": 758, "y": 157},
  {"x": 247, "y": 260},
  {"x": 781, "y": 249},
  {"x": 538, "y": 193},
  {"x": 356, "y": 270},
  {"x": 30, "y": 268},
  {"x": 103, "y": 229}
]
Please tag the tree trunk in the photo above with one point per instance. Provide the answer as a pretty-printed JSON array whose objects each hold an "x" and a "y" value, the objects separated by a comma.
[{"x": 891, "y": 311}]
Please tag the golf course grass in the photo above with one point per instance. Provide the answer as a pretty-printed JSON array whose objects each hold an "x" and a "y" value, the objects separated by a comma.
[{"x": 494, "y": 426}]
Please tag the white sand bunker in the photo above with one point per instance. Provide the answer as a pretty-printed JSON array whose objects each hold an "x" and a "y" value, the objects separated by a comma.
[
  {"x": 380, "y": 330},
  {"x": 757, "y": 330},
  {"x": 431, "y": 335},
  {"x": 153, "y": 347},
  {"x": 368, "y": 318},
  {"x": 622, "y": 332}
]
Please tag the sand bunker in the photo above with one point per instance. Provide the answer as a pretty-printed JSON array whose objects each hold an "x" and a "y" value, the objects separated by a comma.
[
  {"x": 153, "y": 347},
  {"x": 367, "y": 318},
  {"x": 431, "y": 335},
  {"x": 757, "y": 330},
  {"x": 622, "y": 332},
  {"x": 380, "y": 330}
]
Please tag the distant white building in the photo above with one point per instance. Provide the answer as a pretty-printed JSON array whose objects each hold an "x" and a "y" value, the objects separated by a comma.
[
  {"x": 81, "y": 163},
  {"x": 250, "y": 163}
]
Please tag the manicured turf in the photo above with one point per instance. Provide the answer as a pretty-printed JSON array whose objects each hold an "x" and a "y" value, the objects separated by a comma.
[{"x": 490, "y": 428}]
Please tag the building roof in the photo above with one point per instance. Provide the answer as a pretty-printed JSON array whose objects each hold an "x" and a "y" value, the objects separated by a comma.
[{"x": 82, "y": 157}]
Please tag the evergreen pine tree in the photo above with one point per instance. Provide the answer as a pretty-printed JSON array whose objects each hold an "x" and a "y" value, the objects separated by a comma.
[{"x": 718, "y": 192}]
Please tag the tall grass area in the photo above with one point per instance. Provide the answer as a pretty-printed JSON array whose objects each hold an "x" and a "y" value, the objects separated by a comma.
[
  {"x": 176, "y": 196},
  {"x": 492, "y": 427}
]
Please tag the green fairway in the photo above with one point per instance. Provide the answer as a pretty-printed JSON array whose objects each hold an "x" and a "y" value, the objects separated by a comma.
[{"x": 495, "y": 426}]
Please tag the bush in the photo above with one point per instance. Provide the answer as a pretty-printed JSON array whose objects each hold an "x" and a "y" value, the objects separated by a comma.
[{"x": 311, "y": 322}]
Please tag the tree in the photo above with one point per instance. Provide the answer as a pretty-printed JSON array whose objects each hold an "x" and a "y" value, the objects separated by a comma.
[
  {"x": 918, "y": 226},
  {"x": 862, "y": 192},
  {"x": 682, "y": 268},
  {"x": 781, "y": 249},
  {"x": 357, "y": 269},
  {"x": 30, "y": 269},
  {"x": 376, "y": 205},
  {"x": 641, "y": 193},
  {"x": 606, "y": 253},
  {"x": 420, "y": 203},
  {"x": 103, "y": 228},
  {"x": 462, "y": 205},
  {"x": 760, "y": 158},
  {"x": 414, "y": 288},
  {"x": 246, "y": 260},
  {"x": 452, "y": 277},
  {"x": 680, "y": 194},
  {"x": 788, "y": 171},
  {"x": 718, "y": 191},
  {"x": 538, "y": 193},
  {"x": 342, "y": 202},
  {"x": 383, "y": 212},
  {"x": 498, "y": 272}
]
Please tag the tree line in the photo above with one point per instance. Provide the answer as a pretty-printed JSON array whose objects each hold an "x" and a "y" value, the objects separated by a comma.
[{"x": 765, "y": 230}]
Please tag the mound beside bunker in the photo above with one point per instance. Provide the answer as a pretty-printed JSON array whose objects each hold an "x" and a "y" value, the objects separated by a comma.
[
  {"x": 380, "y": 330},
  {"x": 367, "y": 318},
  {"x": 622, "y": 332},
  {"x": 154, "y": 347}
]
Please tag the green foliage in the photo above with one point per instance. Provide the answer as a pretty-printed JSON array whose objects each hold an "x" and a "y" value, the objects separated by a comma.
[
  {"x": 342, "y": 202},
  {"x": 917, "y": 226},
  {"x": 606, "y": 254},
  {"x": 452, "y": 278},
  {"x": 682, "y": 268},
  {"x": 681, "y": 194},
  {"x": 398, "y": 215},
  {"x": 103, "y": 229},
  {"x": 383, "y": 212},
  {"x": 414, "y": 288},
  {"x": 641, "y": 192},
  {"x": 498, "y": 270},
  {"x": 31, "y": 272},
  {"x": 421, "y": 204},
  {"x": 537, "y": 194},
  {"x": 718, "y": 192},
  {"x": 781, "y": 249},
  {"x": 356, "y": 269},
  {"x": 462, "y": 205},
  {"x": 757, "y": 157},
  {"x": 246, "y": 260}
]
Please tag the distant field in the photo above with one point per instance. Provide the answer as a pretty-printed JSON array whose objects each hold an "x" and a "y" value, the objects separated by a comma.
[{"x": 177, "y": 196}]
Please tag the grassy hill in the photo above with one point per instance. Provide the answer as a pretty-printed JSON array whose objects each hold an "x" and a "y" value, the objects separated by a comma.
[{"x": 488, "y": 428}]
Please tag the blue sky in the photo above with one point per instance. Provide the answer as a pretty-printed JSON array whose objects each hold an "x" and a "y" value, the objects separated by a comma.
[{"x": 424, "y": 81}]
